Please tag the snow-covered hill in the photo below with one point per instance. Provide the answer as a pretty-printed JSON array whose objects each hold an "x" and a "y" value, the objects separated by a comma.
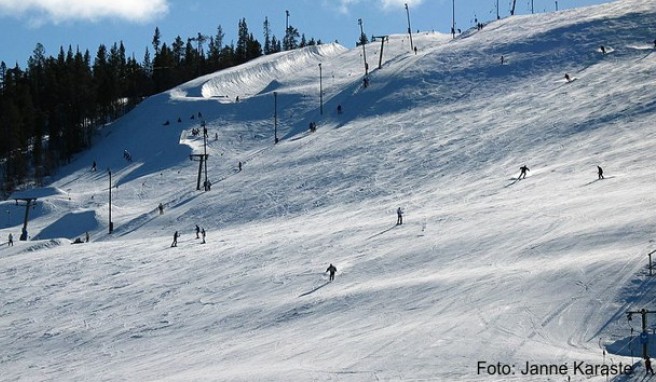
[{"x": 485, "y": 270}]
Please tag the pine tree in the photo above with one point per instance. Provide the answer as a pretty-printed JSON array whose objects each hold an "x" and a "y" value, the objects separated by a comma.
[
  {"x": 156, "y": 41},
  {"x": 267, "y": 36}
]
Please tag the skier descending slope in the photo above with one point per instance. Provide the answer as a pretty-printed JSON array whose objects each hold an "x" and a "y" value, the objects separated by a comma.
[
  {"x": 332, "y": 269},
  {"x": 522, "y": 172}
]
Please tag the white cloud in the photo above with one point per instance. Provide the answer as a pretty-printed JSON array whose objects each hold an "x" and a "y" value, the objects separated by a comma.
[
  {"x": 343, "y": 6},
  {"x": 392, "y": 4},
  {"x": 57, "y": 11}
]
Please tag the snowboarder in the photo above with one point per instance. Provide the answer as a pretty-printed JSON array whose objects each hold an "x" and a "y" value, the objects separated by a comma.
[
  {"x": 175, "y": 239},
  {"x": 197, "y": 231},
  {"x": 339, "y": 109},
  {"x": 501, "y": 59},
  {"x": 648, "y": 368},
  {"x": 600, "y": 173},
  {"x": 166, "y": 123},
  {"x": 603, "y": 50},
  {"x": 399, "y": 216},
  {"x": 93, "y": 166},
  {"x": 161, "y": 209},
  {"x": 86, "y": 237},
  {"x": 10, "y": 242},
  {"x": 202, "y": 233},
  {"x": 522, "y": 172},
  {"x": 568, "y": 78},
  {"x": 332, "y": 270},
  {"x": 239, "y": 165},
  {"x": 415, "y": 50}
]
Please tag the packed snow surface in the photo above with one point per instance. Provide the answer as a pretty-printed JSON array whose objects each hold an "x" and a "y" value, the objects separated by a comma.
[{"x": 486, "y": 270}]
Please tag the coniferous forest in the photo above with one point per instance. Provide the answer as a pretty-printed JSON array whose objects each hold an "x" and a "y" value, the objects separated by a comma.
[{"x": 52, "y": 109}]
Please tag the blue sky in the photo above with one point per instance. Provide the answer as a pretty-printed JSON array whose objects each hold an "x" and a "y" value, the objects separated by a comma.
[{"x": 87, "y": 24}]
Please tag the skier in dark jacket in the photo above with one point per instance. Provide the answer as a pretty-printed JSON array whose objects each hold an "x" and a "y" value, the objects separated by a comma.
[
  {"x": 522, "y": 172},
  {"x": 648, "y": 368},
  {"x": 175, "y": 239},
  {"x": 600, "y": 172},
  {"x": 197, "y": 231},
  {"x": 399, "y": 216},
  {"x": 332, "y": 270}
]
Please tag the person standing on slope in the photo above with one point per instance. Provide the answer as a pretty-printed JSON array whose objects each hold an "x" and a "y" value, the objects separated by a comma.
[
  {"x": 648, "y": 368},
  {"x": 332, "y": 269},
  {"x": 175, "y": 239},
  {"x": 522, "y": 172},
  {"x": 399, "y": 216},
  {"x": 600, "y": 173}
]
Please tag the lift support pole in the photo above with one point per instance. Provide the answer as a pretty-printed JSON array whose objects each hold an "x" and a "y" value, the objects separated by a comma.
[
  {"x": 29, "y": 202},
  {"x": 201, "y": 158},
  {"x": 382, "y": 45}
]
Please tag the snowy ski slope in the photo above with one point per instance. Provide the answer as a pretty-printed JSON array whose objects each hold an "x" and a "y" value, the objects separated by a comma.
[{"x": 485, "y": 268}]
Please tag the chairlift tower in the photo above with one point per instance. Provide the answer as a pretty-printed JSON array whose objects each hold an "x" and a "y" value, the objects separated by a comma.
[
  {"x": 407, "y": 11},
  {"x": 382, "y": 45},
  {"x": 644, "y": 336},
  {"x": 111, "y": 223},
  {"x": 29, "y": 202},
  {"x": 202, "y": 160},
  {"x": 364, "y": 52},
  {"x": 275, "y": 117},
  {"x": 453, "y": 18}
]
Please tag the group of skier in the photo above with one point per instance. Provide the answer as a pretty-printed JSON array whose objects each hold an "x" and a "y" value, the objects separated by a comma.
[
  {"x": 200, "y": 234},
  {"x": 524, "y": 169}
]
